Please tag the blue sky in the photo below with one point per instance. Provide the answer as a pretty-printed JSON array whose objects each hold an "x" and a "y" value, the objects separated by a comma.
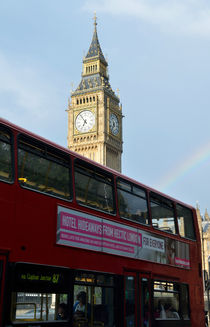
[{"x": 158, "y": 53}]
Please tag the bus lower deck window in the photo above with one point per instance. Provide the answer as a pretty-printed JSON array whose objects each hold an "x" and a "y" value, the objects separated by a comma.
[
  {"x": 171, "y": 301},
  {"x": 31, "y": 306}
]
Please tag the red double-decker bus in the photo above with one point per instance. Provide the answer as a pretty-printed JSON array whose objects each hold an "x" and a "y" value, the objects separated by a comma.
[{"x": 82, "y": 245}]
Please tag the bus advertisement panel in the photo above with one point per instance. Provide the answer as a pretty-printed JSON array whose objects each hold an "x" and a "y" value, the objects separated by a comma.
[{"x": 85, "y": 231}]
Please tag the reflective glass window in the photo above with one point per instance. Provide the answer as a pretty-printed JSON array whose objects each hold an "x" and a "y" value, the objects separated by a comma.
[
  {"x": 94, "y": 188},
  {"x": 132, "y": 202},
  {"x": 43, "y": 169},
  {"x": 6, "y": 172},
  {"x": 162, "y": 211},
  {"x": 145, "y": 301},
  {"x": 93, "y": 304},
  {"x": 185, "y": 222},
  {"x": 166, "y": 301},
  {"x": 184, "y": 301},
  {"x": 31, "y": 306},
  {"x": 130, "y": 307}
]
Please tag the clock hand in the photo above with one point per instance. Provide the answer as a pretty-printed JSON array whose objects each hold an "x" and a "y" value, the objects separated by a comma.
[{"x": 82, "y": 118}]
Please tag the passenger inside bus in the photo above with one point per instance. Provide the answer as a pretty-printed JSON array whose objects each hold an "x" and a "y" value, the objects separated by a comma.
[
  {"x": 62, "y": 312},
  {"x": 170, "y": 311},
  {"x": 79, "y": 308}
]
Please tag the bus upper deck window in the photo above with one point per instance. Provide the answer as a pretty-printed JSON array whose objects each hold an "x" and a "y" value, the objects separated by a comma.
[
  {"x": 94, "y": 187},
  {"x": 185, "y": 222},
  {"x": 132, "y": 202},
  {"x": 162, "y": 211},
  {"x": 5, "y": 156},
  {"x": 43, "y": 168}
]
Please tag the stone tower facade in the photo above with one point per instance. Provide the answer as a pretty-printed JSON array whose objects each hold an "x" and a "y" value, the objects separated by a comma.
[{"x": 95, "y": 113}]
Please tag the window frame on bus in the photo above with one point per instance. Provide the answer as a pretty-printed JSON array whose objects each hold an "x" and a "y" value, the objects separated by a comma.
[
  {"x": 163, "y": 199},
  {"x": 11, "y": 143},
  {"x": 91, "y": 279},
  {"x": 33, "y": 142},
  {"x": 192, "y": 222},
  {"x": 179, "y": 286},
  {"x": 55, "y": 281},
  {"x": 98, "y": 171},
  {"x": 133, "y": 185}
]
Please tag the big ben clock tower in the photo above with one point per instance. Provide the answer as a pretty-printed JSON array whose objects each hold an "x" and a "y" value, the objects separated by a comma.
[{"x": 95, "y": 113}]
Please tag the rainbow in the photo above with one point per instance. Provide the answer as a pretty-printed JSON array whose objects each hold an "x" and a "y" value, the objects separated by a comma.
[{"x": 195, "y": 160}]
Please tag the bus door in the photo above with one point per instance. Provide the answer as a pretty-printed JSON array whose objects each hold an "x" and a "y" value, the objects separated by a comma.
[
  {"x": 145, "y": 300},
  {"x": 94, "y": 302},
  {"x": 137, "y": 300},
  {"x": 2, "y": 280}
]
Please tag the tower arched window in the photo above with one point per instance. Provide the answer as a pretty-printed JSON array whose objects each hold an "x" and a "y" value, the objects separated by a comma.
[
  {"x": 93, "y": 98},
  {"x": 87, "y": 100},
  {"x": 90, "y": 99},
  {"x": 77, "y": 101},
  {"x": 80, "y": 101},
  {"x": 83, "y": 100}
]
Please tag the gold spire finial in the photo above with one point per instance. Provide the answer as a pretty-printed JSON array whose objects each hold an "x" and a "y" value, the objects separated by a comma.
[
  {"x": 95, "y": 20},
  {"x": 72, "y": 88},
  {"x": 118, "y": 93}
]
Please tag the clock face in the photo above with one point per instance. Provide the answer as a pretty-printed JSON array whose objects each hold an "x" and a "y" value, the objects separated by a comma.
[
  {"x": 85, "y": 121},
  {"x": 114, "y": 124}
]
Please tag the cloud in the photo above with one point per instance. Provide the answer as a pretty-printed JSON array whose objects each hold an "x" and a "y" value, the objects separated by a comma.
[
  {"x": 28, "y": 94},
  {"x": 188, "y": 17},
  {"x": 20, "y": 85},
  {"x": 32, "y": 99}
]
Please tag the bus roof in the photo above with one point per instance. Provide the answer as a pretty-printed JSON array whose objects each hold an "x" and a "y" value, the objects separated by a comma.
[{"x": 76, "y": 155}]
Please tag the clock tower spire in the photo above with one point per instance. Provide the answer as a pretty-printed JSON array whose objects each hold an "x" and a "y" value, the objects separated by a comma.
[{"x": 94, "y": 111}]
